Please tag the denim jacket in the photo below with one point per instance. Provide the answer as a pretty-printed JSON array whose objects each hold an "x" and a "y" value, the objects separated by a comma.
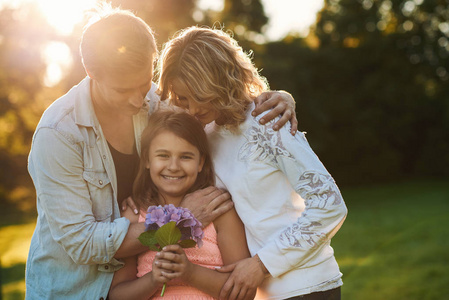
[{"x": 79, "y": 227}]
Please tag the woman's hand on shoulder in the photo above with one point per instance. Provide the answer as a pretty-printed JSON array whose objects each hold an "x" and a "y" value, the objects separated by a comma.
[
  {"x": 281, "y": 104},
  {"x": 130, "y": 215},
  {"x": 207, "y": 204},
  {"x": 129, "y": 203}
]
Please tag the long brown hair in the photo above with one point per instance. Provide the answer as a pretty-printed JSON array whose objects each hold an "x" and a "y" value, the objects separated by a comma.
[{"x": 184, "y": 126}]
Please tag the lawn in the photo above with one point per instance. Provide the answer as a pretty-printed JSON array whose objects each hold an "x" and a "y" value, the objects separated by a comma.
[{"x": 393, "y": 245}]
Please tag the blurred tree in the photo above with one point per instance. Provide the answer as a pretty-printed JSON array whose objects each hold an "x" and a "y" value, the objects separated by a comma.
[
  {"x": 245, "y": 18},
  {"x": 23, "y": 34},
  {"x": 375, "y": 88},
  {"x": 165, "y": 17}
]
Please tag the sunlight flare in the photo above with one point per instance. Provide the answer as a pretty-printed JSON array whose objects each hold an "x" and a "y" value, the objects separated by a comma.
[{"x": 64, "y": 15}]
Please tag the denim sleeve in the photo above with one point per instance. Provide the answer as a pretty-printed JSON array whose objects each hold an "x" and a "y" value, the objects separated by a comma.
[{"x": 79, "y": 220}]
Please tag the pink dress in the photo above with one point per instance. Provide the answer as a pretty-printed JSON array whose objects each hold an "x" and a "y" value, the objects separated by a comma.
[{"x": 207, "y": 256}]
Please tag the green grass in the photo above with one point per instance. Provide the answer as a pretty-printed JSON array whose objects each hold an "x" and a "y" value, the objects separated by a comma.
[{"x": 393, "y": 245}]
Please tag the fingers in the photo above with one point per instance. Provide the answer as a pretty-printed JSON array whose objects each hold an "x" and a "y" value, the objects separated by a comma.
[
  {"x": 129, "y": 202},
  {"x": 226, "y": 290},
  {"x": 226, "y": 269},
  {"x": 265, "y": 101},
  {"x": 285, "y": 117},
  {"x": 294, "y": 123},
  {"x": 280, "y": 110},
  {"x": 172, "y": 261}
]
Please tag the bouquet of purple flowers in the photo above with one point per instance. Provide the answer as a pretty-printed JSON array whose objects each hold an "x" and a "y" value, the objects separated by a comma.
[{"x": 169, "y": 225}]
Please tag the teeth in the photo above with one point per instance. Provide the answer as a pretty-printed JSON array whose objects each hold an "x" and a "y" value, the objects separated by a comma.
[{"x": 170, "y": 177}]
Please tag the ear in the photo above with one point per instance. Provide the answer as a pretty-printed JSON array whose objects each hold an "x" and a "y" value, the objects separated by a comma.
[
  {"x": 147, "y": 165},
  {"x": 202, "y": 160}
]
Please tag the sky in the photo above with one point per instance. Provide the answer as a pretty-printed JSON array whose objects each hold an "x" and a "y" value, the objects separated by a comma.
[{"x": 285, "y": 15}]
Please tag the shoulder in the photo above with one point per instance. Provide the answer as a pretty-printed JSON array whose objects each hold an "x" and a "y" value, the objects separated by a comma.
[
  {"x": 60, "y": 116},
  {"x": 225, "y": 220}
]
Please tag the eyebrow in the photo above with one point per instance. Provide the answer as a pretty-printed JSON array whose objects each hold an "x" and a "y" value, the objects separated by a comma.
[{"x": 182, "y": 153}]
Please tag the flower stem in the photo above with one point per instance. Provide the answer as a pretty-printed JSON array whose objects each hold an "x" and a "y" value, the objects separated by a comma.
[{"x": 163, "y": 291}]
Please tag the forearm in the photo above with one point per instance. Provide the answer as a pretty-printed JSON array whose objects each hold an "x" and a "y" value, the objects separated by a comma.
[
  {"x": 207, "y": 280},
  {"x": 139, "y": 288},
  {"x": 131, "y": 245}
]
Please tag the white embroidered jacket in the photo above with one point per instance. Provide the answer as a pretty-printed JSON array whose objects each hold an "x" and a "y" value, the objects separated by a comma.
[{"x": 289, "y": 203}]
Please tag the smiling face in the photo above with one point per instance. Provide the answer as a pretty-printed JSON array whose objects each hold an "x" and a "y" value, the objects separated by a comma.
[
  {"x": 174, "y": 165},
  {"x": 205, "y": 113}
]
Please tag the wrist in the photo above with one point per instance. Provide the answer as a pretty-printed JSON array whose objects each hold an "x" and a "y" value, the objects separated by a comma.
[
  {"x": 190, "y": 271},
  {"x": 262, "y": 266}
]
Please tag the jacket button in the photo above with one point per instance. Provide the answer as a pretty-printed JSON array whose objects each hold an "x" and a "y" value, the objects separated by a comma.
[
  {"x": 100, "y": 182},
  {"x": 106, "y": 267},
  {"x": 101, "y": 298}
]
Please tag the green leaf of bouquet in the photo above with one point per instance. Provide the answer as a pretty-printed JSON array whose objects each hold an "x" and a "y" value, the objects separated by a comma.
[
  {"x": 154, "y": 248},
  {"x": 168, "y": 234},
  {"x": 147, "y": 238},
  {"x": 187, "y": 243}
]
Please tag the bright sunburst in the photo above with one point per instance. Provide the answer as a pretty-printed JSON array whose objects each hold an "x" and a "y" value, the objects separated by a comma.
[{"x": 64, "y": 14}]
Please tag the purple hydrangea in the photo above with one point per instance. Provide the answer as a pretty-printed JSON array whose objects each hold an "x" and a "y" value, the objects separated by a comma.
[{"x": 190, "y": 227}]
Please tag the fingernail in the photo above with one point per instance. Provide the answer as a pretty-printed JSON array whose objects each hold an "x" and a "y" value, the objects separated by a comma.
[
  {"x": 275, "y": 127},
  {"x": 123, "y": 207},
  {"x": 158, "y": 254},
  {"x": 253, "y": 114},
  {"x": 135, "y": 211},
  {"x": 262, "y": 121}
]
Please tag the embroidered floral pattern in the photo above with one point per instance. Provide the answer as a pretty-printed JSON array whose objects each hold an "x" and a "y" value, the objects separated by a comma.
[
  {"x": 318, "y": 191},
  {"x": 263, "y": 144}
]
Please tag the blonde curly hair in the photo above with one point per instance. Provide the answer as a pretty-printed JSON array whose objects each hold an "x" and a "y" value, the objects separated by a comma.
[{"x": 215, "y": 69}]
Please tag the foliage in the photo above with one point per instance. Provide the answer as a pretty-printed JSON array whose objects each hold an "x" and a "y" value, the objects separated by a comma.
[
  {"x": 23, "y": 34},
  {"x": 373, "y": 93}
]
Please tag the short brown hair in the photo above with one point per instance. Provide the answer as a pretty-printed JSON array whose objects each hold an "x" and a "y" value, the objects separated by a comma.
[
  {"x": 185, "y": 126},
  {"x": 116, "y": 42}
]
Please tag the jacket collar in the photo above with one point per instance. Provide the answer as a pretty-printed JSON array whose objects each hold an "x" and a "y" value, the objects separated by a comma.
[{"x": 84, "y": 109}]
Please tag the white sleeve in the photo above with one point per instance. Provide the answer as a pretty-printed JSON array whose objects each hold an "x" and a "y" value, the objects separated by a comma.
[{"x": 324, "y": 211}]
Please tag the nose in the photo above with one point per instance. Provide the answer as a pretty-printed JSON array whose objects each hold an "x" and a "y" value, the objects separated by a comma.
[
  {"x": 194, "y": 107},
  {"x": 136, "y": 99},
  {"x": 173, "y": 164}
]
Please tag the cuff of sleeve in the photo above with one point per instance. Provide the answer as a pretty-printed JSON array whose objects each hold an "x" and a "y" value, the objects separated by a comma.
[
  {"x": 116, "y": 236},
  {"x": 273, "y": 259},
  {"x": 112, "y": 266}
]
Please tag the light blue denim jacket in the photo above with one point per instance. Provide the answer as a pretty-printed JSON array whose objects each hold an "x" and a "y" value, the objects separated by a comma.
[{"x": 79, "y": 227}]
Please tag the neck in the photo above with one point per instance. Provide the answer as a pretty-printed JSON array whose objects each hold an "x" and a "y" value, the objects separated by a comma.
[{"x": 176, "y": 201}]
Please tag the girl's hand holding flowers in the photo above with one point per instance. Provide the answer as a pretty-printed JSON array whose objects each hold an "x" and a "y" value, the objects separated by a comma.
[
  {"x": 173, "y": 262},
  {"x": 168, "y": 230}
]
